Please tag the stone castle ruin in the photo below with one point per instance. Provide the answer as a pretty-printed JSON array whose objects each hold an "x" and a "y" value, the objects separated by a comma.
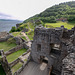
[
  {"x": 51, "y": 46},
  {"x": 20, "y": 44},
  {"x": 4, "y": 36}
]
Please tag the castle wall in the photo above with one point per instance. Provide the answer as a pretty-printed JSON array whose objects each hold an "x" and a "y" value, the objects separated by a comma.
[
  {"x": 45, "y": 40},
  {"x": 5, "y": 64},
  {"x": 4, "y": 36}
]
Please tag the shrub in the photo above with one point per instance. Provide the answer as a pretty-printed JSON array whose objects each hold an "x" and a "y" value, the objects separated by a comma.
[{"x": 13, "y": 29}]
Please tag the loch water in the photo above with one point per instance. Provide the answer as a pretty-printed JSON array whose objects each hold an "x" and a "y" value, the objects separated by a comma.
[{"x": 7, "y": 25}]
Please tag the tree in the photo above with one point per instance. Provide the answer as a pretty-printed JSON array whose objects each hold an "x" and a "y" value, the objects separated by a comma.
[{"x": 13, "y": 29}]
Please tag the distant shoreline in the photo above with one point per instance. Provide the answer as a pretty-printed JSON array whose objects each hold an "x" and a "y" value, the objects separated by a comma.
[{"x": 6, "y": 25}]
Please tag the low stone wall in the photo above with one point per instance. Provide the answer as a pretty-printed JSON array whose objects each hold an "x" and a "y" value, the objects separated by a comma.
[
  {"x": 2, "y": 39},
  {"x": 21, "y": 69},
  {"x": 18, "y": 59},
  {"x": 26, "y": 52},
  {"x": 3, "y": 34},
  {"x": 18, "y": 47},
  {"x": 5, "y": 64},
  {"x": 14, "y": 50},
  {"x": 14, "y": 62}
]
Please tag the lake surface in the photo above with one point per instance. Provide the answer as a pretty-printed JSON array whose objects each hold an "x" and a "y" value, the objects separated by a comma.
[{"x": 7, "y": 25}]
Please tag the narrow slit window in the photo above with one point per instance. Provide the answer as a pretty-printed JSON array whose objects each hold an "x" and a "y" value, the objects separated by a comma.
[{"x": 38, "y": 47}]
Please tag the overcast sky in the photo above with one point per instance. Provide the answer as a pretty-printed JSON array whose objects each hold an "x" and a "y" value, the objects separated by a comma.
[{"x": 23, "y": 9}]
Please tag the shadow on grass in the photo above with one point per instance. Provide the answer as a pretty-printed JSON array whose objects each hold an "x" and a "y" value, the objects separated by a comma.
[{"x": 2, "y": 70}]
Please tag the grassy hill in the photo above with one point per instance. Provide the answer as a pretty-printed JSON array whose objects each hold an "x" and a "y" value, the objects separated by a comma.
[
  {"x": 48, "y": 18},
  {"x": 67, "y": 25}
]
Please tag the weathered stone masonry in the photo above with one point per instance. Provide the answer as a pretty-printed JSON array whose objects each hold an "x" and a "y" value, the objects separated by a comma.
[
  {"x": 5, "y": 63},
  {"x": 52, "y": 46}
]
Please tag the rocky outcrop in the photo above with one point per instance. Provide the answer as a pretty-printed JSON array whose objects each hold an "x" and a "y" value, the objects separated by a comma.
[{"x": 68, "y": 67}]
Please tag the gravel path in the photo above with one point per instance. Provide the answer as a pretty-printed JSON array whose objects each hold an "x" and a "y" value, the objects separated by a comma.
[{"x": 35, "y": 69}]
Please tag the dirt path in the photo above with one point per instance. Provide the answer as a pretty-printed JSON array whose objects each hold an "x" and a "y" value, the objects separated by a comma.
[
  {"x": 35, "y": 69},
  {"x": 24, "y": 34},
  {"x": 30, "y": 28},
  {"x": 28, "y": 40}
]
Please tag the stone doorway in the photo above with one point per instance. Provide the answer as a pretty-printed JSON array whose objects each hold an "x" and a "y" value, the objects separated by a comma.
[{"x": 43, "y": 59}]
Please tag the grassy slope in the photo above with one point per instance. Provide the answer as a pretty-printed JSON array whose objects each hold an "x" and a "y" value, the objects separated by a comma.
[
  {"x": 23, "y": 37},
  {"x": 58, "y": 24},
  {"x": 30, "y": 26},
  {"x": 30, "y": 34},
  {"x": 5, "y": 46},
  {"x": 16, "y": 34},
  {"x": 10, "y": 57},
  {"x": 16, "y": 67}
]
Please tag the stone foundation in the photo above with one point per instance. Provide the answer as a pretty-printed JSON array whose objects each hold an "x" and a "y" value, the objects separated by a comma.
[{"x": 5, "y": 64}]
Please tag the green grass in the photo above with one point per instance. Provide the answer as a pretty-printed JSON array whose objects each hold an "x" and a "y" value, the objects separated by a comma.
[
  {"x": 6, "y": 46},
  {"x": 25, "y": 59},
  {"x": 30, "y": 35},
  {"x": 58, "y": 24},
  {"x": 23, "y": 37},
  {"x": 16, "y": 34},
  {"x": 16, "y": 67},
  {"x": 72, "y": 22},
  {"x": 31, "y": 25},
  {"x": 15, "y": 55},
  {"x": 2, "y": 70},
  {"x": 0, "y": 57}
]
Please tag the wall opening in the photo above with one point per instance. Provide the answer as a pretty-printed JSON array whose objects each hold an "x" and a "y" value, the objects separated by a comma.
[
  {"x": 55, "y": 49},
  {"x": 44, "y": 59},
  {"x": 38, "y": 47},
  {"x": 66, "y": 35}
]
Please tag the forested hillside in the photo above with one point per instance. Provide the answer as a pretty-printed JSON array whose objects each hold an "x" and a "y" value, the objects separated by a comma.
[
  {"x": 63, "y": 10},
  {"x": 49, "y": 19}
]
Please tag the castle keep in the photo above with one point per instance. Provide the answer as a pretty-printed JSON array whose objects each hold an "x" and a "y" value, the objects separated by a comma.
[
  {"x": 52, "y": 46},
  {"x": 52, "y": 52}
]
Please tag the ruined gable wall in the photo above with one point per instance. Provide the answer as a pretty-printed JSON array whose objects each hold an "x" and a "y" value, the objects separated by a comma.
[{"x": 44, "y": 37}]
